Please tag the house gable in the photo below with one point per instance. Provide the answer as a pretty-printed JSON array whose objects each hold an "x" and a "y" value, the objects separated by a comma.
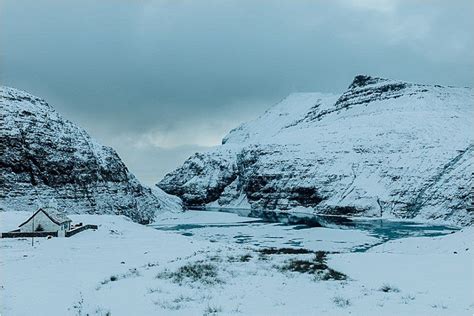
[{"x": 55, "y": 221}]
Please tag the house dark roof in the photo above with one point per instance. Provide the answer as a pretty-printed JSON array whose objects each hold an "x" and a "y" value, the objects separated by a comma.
[{"x": 53, "y": 214}]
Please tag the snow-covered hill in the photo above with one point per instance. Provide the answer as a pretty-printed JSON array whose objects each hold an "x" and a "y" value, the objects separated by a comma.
[
  {"x": 383, "y": 148},
  {"x": 45, "y": 157}
]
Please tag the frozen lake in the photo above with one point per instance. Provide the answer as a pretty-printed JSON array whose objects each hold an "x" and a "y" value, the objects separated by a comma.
[{"x": 315, "y": 233}]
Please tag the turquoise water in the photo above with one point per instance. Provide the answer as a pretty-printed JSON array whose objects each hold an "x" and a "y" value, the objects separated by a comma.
[
  {"x": 283, "y": 228},
  {"x": 392, "y": 229},
  {"x": 387, "y": 230}
]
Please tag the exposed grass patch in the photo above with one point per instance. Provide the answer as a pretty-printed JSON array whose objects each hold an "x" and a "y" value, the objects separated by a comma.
[
  {"x": 242, "y": 258},
  {"x": 131, "y": 273},
  {"x": 176, "y": 304},
  {"x": 79, "y": 305},
  {"x": 193, "y": 272},
  {"x": 212, "y": 310},
  {"x": 214, "y": 258},
  {"x": 340, "y": 301},
  {"x": 332, "y": 274},
  {"x": 152, "y": 264},
  {"x": 245, "y": 258},
  {"x": 317, "y": 266},
  {"x": 284, "y": 251},
  {"x": 387, "y": 288},
  {"x": 304, "y": 266},
  {"x": 168, "y": 305},
  {"x": 183, "y": 299},
  {"x": 151, "y": 291}
]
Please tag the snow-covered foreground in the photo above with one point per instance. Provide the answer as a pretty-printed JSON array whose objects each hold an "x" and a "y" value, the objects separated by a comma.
[{"x": 127, "y": 269}]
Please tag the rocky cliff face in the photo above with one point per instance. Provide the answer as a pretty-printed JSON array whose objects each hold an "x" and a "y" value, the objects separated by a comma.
[
  {"x": 45, "y": 157},
  {"x": 382, "y": 148}
]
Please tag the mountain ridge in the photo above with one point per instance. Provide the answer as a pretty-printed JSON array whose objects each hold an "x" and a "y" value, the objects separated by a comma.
[
  {"x": 45, "y": 157},
  {"x": 377, "y": 149}
]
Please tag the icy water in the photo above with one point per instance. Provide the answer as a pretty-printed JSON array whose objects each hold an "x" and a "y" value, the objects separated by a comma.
[{"x": 312, "y": 232}]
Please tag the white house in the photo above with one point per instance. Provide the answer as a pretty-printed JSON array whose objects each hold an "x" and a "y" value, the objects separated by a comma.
[{"x": 47, "y": 220}]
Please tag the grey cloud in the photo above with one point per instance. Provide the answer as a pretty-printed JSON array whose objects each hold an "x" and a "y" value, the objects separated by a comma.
[{"x": 133, "y": 69}]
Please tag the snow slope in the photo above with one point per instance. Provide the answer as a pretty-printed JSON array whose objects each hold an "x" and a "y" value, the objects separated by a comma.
[
  {"x": 383, "y": 148},
  {"x": 44, "y": 156},
  {"x": 124, "y": 269}
]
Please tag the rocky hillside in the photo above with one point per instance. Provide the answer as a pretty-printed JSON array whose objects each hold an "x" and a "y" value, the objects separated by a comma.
[
  {"x": 44, "y": 157},
  {"x": 383, "y": 148}
]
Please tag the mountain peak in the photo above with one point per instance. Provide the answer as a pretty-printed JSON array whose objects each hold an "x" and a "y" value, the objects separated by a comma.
[
  {"x": 27, "y": 100},
  {"x": 365, "y": 80}
]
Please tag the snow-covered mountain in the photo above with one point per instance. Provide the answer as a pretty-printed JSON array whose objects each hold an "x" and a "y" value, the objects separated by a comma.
[
  {"x": 383, "y": 148},
  {"x": 44, "y": 157}
]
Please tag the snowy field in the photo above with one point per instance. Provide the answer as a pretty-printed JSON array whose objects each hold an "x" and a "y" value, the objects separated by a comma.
[{"x": 128, "y": 269}]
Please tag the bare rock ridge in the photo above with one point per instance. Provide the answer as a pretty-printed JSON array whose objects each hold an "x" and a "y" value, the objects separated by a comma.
[
  {"x": 382, "y": 148},
  {"x": 44, "y": 156}
]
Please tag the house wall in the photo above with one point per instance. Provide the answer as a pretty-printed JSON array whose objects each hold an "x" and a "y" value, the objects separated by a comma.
[{"x": 40, "y": 219}]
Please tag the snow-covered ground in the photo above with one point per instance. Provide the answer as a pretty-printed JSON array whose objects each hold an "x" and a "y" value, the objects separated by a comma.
[{"x": 124, "y": 268}]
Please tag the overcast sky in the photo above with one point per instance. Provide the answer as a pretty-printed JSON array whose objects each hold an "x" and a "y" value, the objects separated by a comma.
[{"x": 159, "y": 80}]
